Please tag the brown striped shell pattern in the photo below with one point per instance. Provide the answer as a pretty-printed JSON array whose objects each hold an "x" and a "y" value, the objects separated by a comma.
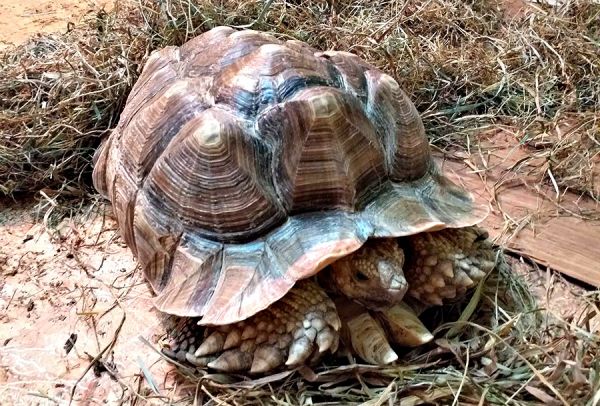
[{"x": 242, "y": 164}]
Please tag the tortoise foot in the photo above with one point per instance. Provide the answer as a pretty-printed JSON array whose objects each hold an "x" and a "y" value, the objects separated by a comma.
[
  {"x": 444, "y": 264},
  {"x": 370, "y": 333},
  {"x": 297, "y": 329},
  {"x": 403, "y": 326},
  {"x": 184, "y": 336}
]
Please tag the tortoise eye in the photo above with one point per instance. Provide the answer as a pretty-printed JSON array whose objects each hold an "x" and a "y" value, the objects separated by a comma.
[
  {"x": 481, "y": 237},
  {"x": 359, "y": 276}
]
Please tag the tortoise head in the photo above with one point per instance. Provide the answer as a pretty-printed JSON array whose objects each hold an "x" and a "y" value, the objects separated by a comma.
[{"x": 372, "y": 275}]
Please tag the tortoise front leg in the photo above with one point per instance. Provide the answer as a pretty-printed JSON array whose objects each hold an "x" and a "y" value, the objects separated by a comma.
[
  {"x": 444, "y": 264},
  {"x": 300, "y": 327},
  {"x": 362, "y": 334},
  {"x": 369, "y": 333}
]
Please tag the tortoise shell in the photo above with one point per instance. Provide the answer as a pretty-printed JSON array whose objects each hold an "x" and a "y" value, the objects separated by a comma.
[{"x": 242, "y": 164}]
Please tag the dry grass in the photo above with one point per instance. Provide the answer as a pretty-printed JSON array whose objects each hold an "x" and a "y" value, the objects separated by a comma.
[
  {"x": 60, "y": 94},
  {"x": 469, "y": 66}
]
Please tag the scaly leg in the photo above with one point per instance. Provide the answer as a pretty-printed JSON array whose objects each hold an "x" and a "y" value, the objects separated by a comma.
[
  {"x": 369, "y": 333},
  {"x": 444, "y": 264},
  {"x": 298, "y": 328}
]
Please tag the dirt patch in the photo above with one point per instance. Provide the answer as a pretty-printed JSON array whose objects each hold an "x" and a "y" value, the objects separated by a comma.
[
  {"x": 21, "y": 19},
  {"x": 73, "y": 289}
]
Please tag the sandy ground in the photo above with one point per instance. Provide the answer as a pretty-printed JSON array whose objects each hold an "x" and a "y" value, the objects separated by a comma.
[
  {"x": 60, "y": 286},
  {"x": 77, "y": 280},
  {"x": 20, "y": 19}
]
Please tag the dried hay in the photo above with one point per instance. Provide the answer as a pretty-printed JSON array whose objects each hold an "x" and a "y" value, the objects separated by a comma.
[
  {"x": 60, "y": 94},
  {"x": 469, "y": 66}
]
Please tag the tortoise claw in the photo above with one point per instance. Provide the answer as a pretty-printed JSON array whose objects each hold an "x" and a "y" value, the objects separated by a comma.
[
  {"x": 369, "y": 341},
  {"x": 327, "y": 339},
  {"x": 300, "y": 350},
  {"x": 404, "y": 326},
  {"x": 266, "y": 358},
  {"x": 232, "y": 361},
  {"x": 299, "y": 328},
  {"x": 214, "y": 343},
  {"x": 198, "y": 361}
]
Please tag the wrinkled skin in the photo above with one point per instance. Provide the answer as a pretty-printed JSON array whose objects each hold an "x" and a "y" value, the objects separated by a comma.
[{"x": 360, "y": 296}]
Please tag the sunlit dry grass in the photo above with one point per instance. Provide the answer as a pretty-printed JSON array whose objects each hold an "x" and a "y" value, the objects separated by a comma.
[{"x": 468, "y": 66}]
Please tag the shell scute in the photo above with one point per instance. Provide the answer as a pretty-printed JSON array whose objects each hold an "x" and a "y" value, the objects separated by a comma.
[
  {"x": 210, "y": 178},
  {"x": 326, "y": 153}
]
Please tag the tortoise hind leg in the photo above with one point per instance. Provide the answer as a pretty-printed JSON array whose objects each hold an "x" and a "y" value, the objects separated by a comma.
[
  {"x": 443, "y": 265},
  {"x": 301, "y": 326}
]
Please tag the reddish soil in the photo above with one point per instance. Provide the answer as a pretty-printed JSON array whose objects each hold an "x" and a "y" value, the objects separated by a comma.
[
  {"x": 75, "y": 279},
  {"x": 20, "y": 19}
]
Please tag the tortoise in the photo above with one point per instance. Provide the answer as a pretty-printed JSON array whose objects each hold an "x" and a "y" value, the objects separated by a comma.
[{"x": 279, "y": 198}]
